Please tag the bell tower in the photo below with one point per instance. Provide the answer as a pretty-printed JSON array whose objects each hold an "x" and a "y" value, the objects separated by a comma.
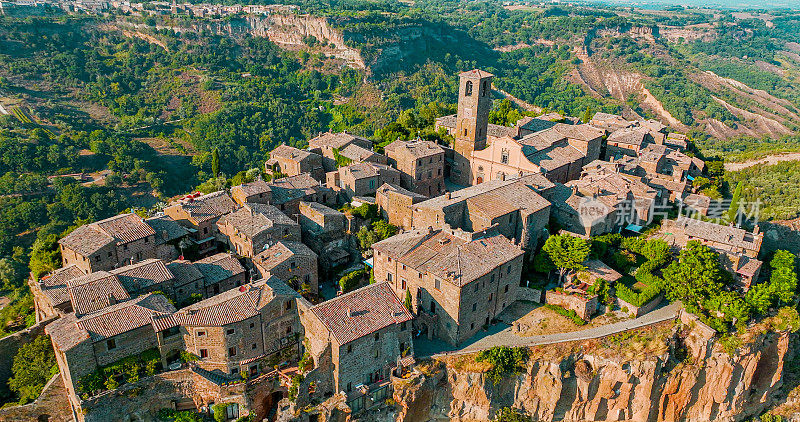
[{"x": 472, "y": 121}]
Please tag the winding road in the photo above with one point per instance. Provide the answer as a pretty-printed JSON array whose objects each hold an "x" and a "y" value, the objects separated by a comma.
[
  {"x": 506, "y": 337},
  {"x": 769, "y": 160}
]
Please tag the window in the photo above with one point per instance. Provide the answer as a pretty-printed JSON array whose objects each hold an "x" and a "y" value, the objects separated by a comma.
[
  {"x": 430, "y": 174},
  {"x": 377, "y": 353},
  {"x": 234, "y": 371},
  {"x": 504, "y": 156},
  {"x": 402, "y": 347},
  {"x": 230, "y": 331},
  {"x": 403, "y": 283},
  {"x": 471, "y": 325},
  {"x": 109, "y": 254},
  {"x": 349, "y": 348},
  {"x": 97, "y": 258},
  {"x": 403, "y": 266},
  {"x": 288, "y": 305},
  {"x": 508, "y": 269},
  {"x": 146, "y": 240},
  {"x": 232, "y": 351},
  {"x": 491, "y": 279},
  {"x": 253, "y": 347},
  {"x": 402, "y": 327},
  {"x": 476, "y": 287},
  {"x": 438, "y": 284},
  {"x": 372, "y": 184},
  {"x": 125, "y": 247},
  {"x": 252, "y": 325},
  {"x": 433, "y": 307},
  {"x": 288, "y": 329},
  {"x": 474, "y": 307},
  {"x": 349, "y": 387},
  {"x": 377, "y": 336},
  {"x": 468, "y": 89},
  {"x": 389, "y": 276},
  {"x": 506, "y": 289},
  {"x": 111, "y": 344},
  {"x": 205, "y": 230},
  {"x": 485, "y": 88},
  {"x": 201, "y": 334},
  {"x": 292, "y": 265},
  {"x": 465, "y": 132},
  {"x": 490, "y": 297},
  {"x": 203, "y": 353}
]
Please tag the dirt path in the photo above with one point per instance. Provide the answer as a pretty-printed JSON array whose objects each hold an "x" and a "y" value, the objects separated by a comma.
[
  {"x": 768, "y": 160},
  {"x": 517, "y": 101}
]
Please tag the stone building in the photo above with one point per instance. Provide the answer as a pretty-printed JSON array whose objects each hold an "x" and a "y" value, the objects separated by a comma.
[
  {"x": 357, "y": 154},
  {"x": 609, "y": 122},
  {"x": 324, "y": 231},
  {"x": 106, "y": 244},
  {"x": 356, "y": 339},
  {"x": 257, "y": 192},
  {"x": 249, "y": 229},
  {"x": 738, "y": 248},
  {"x": 221, "y": 272},
  {"x": 292, "y": 162},
  {"x": 396, "y": 204},
  {"x": 637, "y": 199},
  {"x": 291, "y": 262},
  {"x": 626, "y": 141},
  {"x": 421, "y": 165},
  {"x": 558, "y": 152},
  {"x": 330, "y": 144},
  {"x": 199, "y": 214},
  {"x": 585, "y": 216},
  {"x": 361, "y": 179},
  {"x": 458, "y": 281},
  {"x": 235, "y": 330},
  {"x": 169, "y": 234},
  {"x": 288, "y": 192},
  {"x": 472, "y": 122},
  {"x": 189, "y": 283},
  {"x": 84, "y": 343},
  {"x": 513, "y": 206}
]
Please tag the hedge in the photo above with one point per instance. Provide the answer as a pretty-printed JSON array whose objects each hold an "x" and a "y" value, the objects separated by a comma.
[
  {"x": 127, "y": 370},
  {"x": 637, "y": 299}
]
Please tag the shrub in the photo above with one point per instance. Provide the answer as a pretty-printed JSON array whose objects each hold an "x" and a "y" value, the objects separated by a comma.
[
  {"x": 510, "y": 414},
  {"x": 294, "y": 387},
  {"x": 351, "y": 280},
  {"x": 569, "y": 313},
  {"x": 504, "y": 360},
  {"x": 128, "y": 369},
  {"x": 637, "y": 299},
  {"x": 220, "y": 411},
  {"x": 172, "y": 415},
  {"x": 188, "y": 356},
  {"x": 34, "y": 365}
]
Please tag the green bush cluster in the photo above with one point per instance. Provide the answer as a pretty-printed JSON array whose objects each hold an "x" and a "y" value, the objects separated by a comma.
[
  {"x": 637, "y": 299},
  {"x": 569, "y": 313},
  {"x": 172, "y": 415},
  {"x": 125, "y": 370},
  {"x": 351, "y": 280},
  {"x": 504, "y": 361}
]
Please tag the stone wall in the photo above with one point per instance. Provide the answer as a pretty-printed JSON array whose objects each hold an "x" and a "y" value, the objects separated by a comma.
[
  {"x": 9, "y": 346},
  {"x": 638, "y": 311},
  {"x": 51, "y": 406},
  {"x": 528, "y": 294},
  {"x": 584, "y": 306}
]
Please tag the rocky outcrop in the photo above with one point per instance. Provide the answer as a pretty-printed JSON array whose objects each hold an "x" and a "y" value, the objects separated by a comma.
[
  {"x": 285, "y": 30},
  {"x": 707, "y": 384}
]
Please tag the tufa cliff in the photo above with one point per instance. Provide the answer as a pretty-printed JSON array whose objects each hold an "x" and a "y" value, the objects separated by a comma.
[{"x": 651, "y": 375}]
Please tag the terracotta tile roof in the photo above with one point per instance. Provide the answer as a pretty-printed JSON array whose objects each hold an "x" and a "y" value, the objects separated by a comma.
[
  {"x": 184, "y": 272},
  {"x": 495, "y": 131},
  {"x": 208, "y": 207},
  {"x": 143, "y": 275},
  {"x": 233, "y": 305},
  {"x": 726, "y": 235},
  {"x": 361, "y": 312},
  {"x": 119, "y": 229},
  {"x": 456, "y": 259},
  {"x": 316, "y": 207},
  {"x": 634, "y": 136},
  {"x": 219, "y": 267},
  {"x": 95, "y": 291},
  {"x": 54, "y": 285},
  {"x": 748, "y": 266},
  {"x": 280, "y": 252},
  {"x": 389, "y": 187},
  {"x": 295, "y": 187},
  {"x": 416, "y": 149},
  {"x": 65, "y": 333},
  {"x": 252, "y": 188},
  {"x": 597, "y": 269},
  {"x": 357, "y": 153},
  {"x": 695, "y": 200},
  {"x": 534, "y": 124},
  {"x": 526, "y": 197},
  {"x": 475, "y": 73},
  {"x": 335, "y": 140},
  {"x": 124, "y": 317},
  {"x": 254, "y": 219},
  {"x": 166, "y": 229},
  {"x": 366, "y": 170},
  {"x": 292, "y": 153}
]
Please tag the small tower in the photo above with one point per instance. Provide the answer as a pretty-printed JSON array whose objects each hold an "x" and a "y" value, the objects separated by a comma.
[{"x": 472, "y": 121}]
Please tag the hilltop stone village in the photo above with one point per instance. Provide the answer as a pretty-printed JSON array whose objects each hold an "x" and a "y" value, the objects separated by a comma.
[{"x": 231, "y": 300}]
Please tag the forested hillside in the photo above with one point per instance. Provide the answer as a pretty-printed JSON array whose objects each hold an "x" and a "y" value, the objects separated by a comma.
[{"x": 116, "y": 112}]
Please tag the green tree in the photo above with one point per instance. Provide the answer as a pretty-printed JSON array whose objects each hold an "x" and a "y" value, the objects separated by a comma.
[
  {"x": 510, "y": 414},
  {"x": 11, "y": 274},
  {"x": 408, "y": 302},
  {"x": 733, "y": 210},
  {"x": 34, "y": 365},
  {"x": 587, "y": 115},
  {"x": 566, "y": 252},
  {"x": 45, "y": 255},
  {"x": 215, "y": 162}
]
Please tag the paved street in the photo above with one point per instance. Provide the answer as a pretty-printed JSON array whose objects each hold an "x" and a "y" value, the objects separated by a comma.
[{"x": 502, "y": 335}]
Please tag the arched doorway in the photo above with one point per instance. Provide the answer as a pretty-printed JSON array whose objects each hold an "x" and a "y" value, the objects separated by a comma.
[{"x": 271, "y": 404}]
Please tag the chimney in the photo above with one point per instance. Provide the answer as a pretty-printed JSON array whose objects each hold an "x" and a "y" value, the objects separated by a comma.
[
  {"x": 349, "y": 312},
  {"x": 112, "y": 300},
  {"x": 447, "y": 195}
]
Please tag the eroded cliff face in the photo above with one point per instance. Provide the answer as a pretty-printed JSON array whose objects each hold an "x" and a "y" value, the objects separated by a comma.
[{"x": 707, "y": 385}]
